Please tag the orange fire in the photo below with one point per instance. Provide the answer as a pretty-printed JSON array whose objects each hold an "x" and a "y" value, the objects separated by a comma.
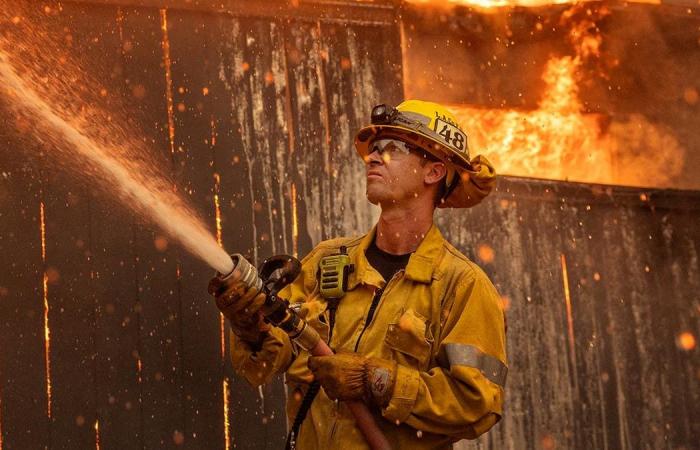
[
  {"x": 558, "y": 139},
  {"x": 493, "y": 4},
  {"x": 227, "y": 422},
  {"x": 567, "y": 300},
  {"x": 165, "y": 44},
  {"x": 295, "y": 221},
  {"x": 554, "y": 141},
  {"x": 97, "y": 435},
  {"x": 47, "y": 331}
]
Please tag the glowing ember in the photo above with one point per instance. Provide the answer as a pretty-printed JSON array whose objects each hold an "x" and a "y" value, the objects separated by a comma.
[
  {"x": 485, "y": 253},
  {"x": 686, "y": 341},
  {"x": 178, "y": 437},
  {"x": 161, "y": 243},
  {"x": 548, "y": 442},
  {"x": 505, "y": 303}
]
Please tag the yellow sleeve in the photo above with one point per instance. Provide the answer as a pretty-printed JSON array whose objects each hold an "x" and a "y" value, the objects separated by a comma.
[
  {"x": 276, "y": 351},
  {"x": 463, "y": 396},
  {"x": 258, "y": 366}
]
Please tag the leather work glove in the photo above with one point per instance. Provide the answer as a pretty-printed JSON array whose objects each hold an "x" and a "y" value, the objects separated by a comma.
[
  {"x": 351, "y": 376},
  {"x": 241, "y": 305}
]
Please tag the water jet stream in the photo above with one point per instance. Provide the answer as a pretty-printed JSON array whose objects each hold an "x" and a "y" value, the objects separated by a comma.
[{"x": 145, "y": 195}]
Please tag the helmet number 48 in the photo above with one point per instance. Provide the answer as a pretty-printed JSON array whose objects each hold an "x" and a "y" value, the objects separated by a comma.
[{"x": 451, "y": 134}]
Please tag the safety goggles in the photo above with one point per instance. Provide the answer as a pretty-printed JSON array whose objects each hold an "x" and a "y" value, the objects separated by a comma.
[{"x": 390, "y": 146}]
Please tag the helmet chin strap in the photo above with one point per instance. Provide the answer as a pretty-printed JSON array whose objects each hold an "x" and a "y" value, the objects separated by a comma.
[
  {"x": 451, "y": 181},
  {"x": 451, "y": 174}
]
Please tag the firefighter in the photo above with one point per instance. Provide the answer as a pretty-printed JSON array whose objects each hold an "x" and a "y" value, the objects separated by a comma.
[{"x": 419, "y": 333}]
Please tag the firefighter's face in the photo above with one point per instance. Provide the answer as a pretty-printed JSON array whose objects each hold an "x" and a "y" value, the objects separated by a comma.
[{"x": 395, "y": 174}]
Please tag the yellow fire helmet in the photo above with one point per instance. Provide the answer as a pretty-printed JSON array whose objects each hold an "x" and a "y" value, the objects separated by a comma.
[{"x": 433, "y": 128}]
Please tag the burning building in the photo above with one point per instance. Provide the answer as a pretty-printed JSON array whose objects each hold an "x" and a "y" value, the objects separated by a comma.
[
  {"x": 566, "y": 91},
  {"x": 589, "y": 109}
]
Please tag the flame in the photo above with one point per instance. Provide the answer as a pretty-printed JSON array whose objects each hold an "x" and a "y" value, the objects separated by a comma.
[
  {"x": 42, "y": 230},
  {"x": 47, "y": 344},
  {"x": 227, "y": 436},
  {"x": 295, "y": 222},
  {"x": 567, "y": 299},
  {"x": 97, "y": 435},
  {"x": 559, "y": 140},
  {"x": 492, "y": 3},
  {"x": 47, "y": 331},
  {"x": 165, "y": 44},
  {"x": 217, "y": 208},
  {"x": 487, "y": 5},
  {"x": 553, "y": 141}
]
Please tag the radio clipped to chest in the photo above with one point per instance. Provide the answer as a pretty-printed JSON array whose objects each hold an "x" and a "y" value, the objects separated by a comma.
[{"x": 333, "y": 273}]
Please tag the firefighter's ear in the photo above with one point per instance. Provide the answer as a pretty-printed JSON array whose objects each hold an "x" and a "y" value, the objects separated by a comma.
[{"x": 435, "y": 172}]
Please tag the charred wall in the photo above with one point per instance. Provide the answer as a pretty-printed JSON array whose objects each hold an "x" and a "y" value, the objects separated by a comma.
[{"x": 135, "y": 343}]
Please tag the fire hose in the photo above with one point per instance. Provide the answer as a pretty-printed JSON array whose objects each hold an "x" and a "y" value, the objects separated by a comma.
[{"x": 276, "y": 273}]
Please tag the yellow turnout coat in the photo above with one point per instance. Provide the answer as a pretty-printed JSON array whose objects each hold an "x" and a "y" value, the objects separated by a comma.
[{"x": 440, "y": 319}]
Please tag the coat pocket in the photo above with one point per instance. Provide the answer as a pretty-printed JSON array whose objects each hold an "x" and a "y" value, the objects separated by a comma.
[{"x": 410, "y": 339}]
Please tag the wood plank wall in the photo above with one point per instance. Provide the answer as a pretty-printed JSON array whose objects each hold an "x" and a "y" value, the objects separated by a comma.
[
  {"x": 269, "y": 105},
  {"x": 135, "y": 341}
]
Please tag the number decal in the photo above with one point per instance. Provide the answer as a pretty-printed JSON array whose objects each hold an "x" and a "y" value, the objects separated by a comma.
[
  {"x": 445, "y": 133},
  {"x": 458, "y": 141},
  {"x": 451, "y": 134}
]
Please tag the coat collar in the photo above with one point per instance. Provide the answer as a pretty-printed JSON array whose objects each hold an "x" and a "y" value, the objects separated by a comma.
[{"x": 420, "y": 267}]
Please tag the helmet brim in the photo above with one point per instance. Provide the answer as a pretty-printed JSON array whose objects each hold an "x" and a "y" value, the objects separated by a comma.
[{"x": 367, "y": 134}]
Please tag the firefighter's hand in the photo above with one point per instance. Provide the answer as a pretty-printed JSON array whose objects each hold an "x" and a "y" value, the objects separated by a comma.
[
  {"x": 351, "y": 376},
  {"x": 241, "y": 306}
]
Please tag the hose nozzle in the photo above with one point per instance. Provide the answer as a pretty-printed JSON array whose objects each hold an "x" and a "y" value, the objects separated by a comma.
[{"x": 242, "y": 270}]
